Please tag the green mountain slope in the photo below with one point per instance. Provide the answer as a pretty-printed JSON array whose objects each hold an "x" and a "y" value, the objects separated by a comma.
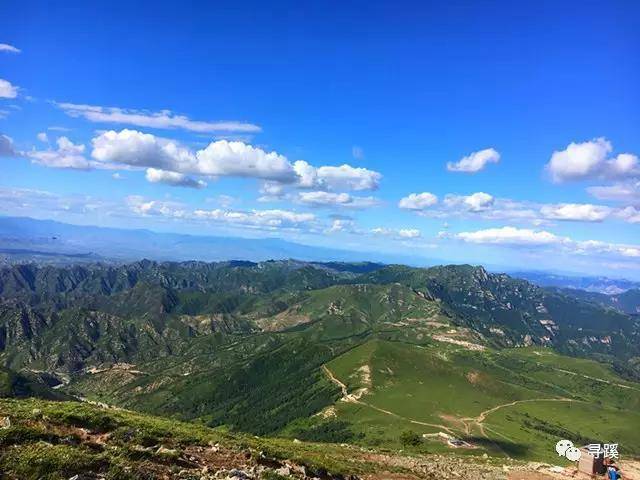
[{"x": 357, "y": 353}]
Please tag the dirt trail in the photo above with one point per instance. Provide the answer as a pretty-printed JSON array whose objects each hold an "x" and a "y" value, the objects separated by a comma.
[
  {"x": 468, "y": 422},
  {"x": 343, "y": 387},
  {"x": 482, "y": 417},
  {"x": 602, "y": 380},
  {"x": 346, "y": 397}
]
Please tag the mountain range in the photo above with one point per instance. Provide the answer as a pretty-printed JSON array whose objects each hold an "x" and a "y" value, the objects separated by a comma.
[
  {"x": 334, "y": 352},
  {"x": 25, "y": 239}
]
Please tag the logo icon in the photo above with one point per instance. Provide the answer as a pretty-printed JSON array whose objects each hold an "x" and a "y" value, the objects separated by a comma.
[{"x": 566, "y": 449}]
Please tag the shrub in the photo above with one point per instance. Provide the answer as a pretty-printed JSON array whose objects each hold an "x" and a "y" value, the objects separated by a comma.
[{"x": 409, "y": 438}]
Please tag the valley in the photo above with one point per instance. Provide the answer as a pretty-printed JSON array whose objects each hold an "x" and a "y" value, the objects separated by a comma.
[{"x": 388, "y": 358}]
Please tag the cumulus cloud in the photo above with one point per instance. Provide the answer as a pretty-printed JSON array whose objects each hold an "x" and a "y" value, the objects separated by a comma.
[
  {"x": 5, "y": 47},
  {"x": 481, "y": 205},
  {"x": 341, "y": 225},
  {"x": 346, "y": 177},
  {"x": 258, "y": 218},
  {"x": 164, "y": 119},
  {"x": 30, "y": 202},
  {"x": 476, "y": 202},
  {"x": 475, "y": 162},
  {"x": 137, "y": 149},
  {"x": 629, "y": 214},
  {"x": 330, "y": 199},
  {"x": 7, "y": 90},
  {"x": 402, "y": 233},
  {"x": 584, "y": 212},
  {"x": 6, "y": 146},
  {"x": 418, "y": 201},
  {"x": 528, "y": 238},
  {"x": 66, "y": 155},
  {"x": 619, "y": 192},
  {"x": 271, "y": 192},
  {"x": 510, "y": 236},
  {"x": 143, "y": 207},
  {"x": 226, "y": 158},
  {"x": 588, "y": 160},
  {"x": 42, "y": 136},
  {"x": 409, "y": 233},
  {"x": 173, "y": 179}
]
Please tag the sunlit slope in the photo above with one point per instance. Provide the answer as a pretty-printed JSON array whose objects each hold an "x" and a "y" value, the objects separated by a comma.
[{"x": 495, "y": 399}]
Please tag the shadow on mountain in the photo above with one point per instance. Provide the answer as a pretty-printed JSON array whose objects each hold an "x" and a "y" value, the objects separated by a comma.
[{"x": 515, "y": 450}]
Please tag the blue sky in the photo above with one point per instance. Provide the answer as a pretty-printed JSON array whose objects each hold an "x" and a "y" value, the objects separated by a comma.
[{"x": 515, "y": 126}]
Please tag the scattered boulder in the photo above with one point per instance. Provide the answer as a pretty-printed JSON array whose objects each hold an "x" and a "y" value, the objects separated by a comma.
[{"x": 5, "y": 422}]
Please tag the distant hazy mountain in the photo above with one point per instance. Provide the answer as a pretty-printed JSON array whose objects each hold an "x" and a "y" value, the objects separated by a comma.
[
  {"x": 27, "y": 239},
  {"x": 609, "y": 286}
]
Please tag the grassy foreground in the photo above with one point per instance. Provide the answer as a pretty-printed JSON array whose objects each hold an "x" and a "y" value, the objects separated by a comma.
[{"x": 57, "y": 440}]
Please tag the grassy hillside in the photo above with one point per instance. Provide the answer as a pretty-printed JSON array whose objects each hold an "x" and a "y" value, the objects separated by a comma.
[
  {"x": 57, "y": 440},
  {"x": 507, "y": 402},
  {"x": 360, "y": 354}
]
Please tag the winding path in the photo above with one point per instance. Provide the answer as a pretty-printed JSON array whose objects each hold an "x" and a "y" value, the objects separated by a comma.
[
  {"x": 468, "y": 422},
  {"x": 350, "y": 398}
]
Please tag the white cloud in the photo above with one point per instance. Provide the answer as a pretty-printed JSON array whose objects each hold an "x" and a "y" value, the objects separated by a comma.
[
  {"x": 164, "y": 119},
  {"x": 476, "y": 202},
  {"x": 38, "y": 203},
  {"x": 117, "y": 176},
  {"x": 7, "y": 90},
  {"x": 140, "y": 206},
  {"x": 257, "y": 218},
  {"x": 6, "y": 146},
  {"x": 588, "y": 160},
  {"x": 629, "y": 214},
  {"x": 584, "y": 212},
  {"x": 418, "y": 201},
  {"x": 66, "y": 155},
  {"x": 307, "y": 174},
  {"x": 224, "y": 158},
  {"x": 173, "y": 179},
  {"x": 402, "y": 233},
  {"x": 324, "y": 198},
  {"x": 517, "y": 237},
  {"x": 5, "y": 47},
  {"x": 475, "y": 162},
  {"x": 579, "y": 160},
  {"x": 623, "y": 165},
  {"x": 271, "y": 192},
  {"x": 130, "y": 147},
  {"x": 330, "y": 199},
  {"x": 620, "y": 192},
  {"x": 346, "y": 177},
  {"x": 341, "y": 225},
  {"x": 409, "y": 233},
  {"x": 481, "y": 205},
  {"x": 42, "y": 136},
  {"x": 510, "y": 236}
]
